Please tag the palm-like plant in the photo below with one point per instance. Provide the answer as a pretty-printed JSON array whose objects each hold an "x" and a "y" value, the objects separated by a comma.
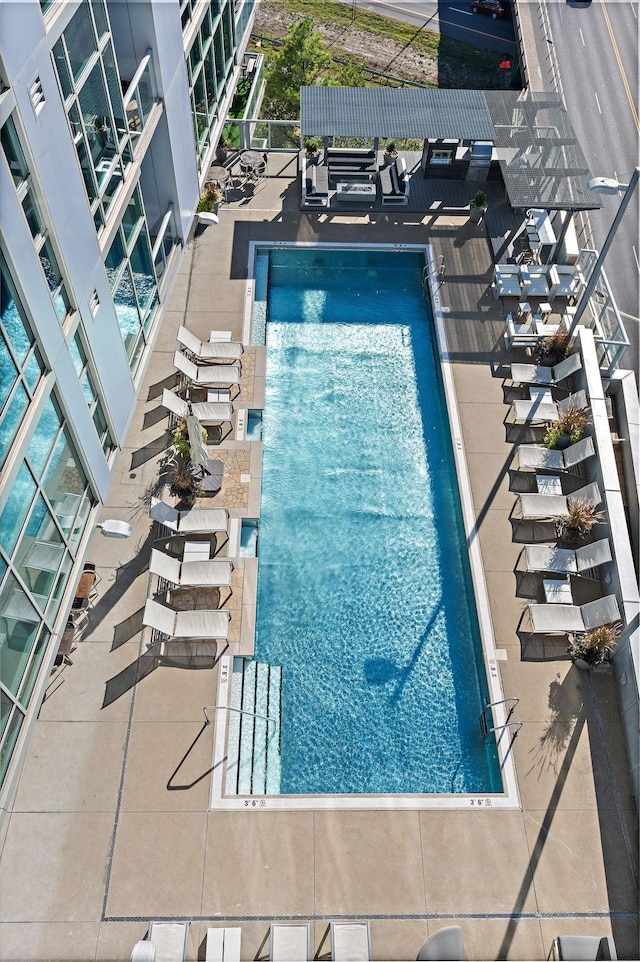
[
  {"x": 596, "y": 645},
  {"x": 579, "y": 521}
]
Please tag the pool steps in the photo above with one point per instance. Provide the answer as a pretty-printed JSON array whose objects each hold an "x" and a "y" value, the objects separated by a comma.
[{"x": 253, "y": 746}]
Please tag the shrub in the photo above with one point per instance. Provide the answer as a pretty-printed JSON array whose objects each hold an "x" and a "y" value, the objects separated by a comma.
[
  {"x": 210, "y": 197},
  {"x": 479, "y": 201},
  {"x": 570, "y": 426},
  {"x": 311, "y": 146},
  {"x": 554, "y": 348},
  {"x": 184, "y": 484},
  {"x": 390, "y": 148},
  {"x": 596, "y": 645},
  {"x": 579, "y": 521}
]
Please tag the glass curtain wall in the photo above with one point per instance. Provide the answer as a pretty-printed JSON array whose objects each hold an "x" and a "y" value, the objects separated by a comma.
[
  {"x": 131, "y": 274},
  {"x": 32, "y": 209},
  {"x": 86, "y": 68},
  {"x": 87, "y": 378},
  {"x": 21, "y": 365},
  {"x": 41, "y": 524},
  {"x": 210, "y": 65}
]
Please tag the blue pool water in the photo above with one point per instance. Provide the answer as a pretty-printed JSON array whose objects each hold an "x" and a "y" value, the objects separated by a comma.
[{"x": 364, "y": 590}]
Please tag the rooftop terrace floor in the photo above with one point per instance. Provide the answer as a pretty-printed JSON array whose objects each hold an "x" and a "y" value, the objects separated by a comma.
[{"x": 111, "y": 826}]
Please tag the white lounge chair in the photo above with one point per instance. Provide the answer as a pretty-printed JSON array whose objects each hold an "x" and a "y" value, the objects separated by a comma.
[
  {"x": 205, "y": 374},
  {"x": 207, "y": 412},
  {"x": 197, "y": 520},
  {"x": 536, "y": 456},
  {"x": 445, "y": 945},
  {"x": 538, "y": 506},
  {"x": 584, "y": 948},
  {"x": 289, "y": 942},
  {"x": 566, "y": 561},
  {"x": 350, "y": 942},
  {"x": 539, "y": 409},
  {"x": 182, "y": 625},
  {"x": 209, "y": 350},
  {"x": 169, "y": 942},
  {"x": 537, "y": 374},
  {"x": 204, "y": 574},
  {"x": 223, "y": 945},
  {"x": 559, "y": 619}
]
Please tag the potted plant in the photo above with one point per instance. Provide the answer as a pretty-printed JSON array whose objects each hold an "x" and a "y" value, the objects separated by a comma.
[
  {"x": 312, "y": 149},
  {"x": 579, "y": 521},
  {"x": 184, "y": 484},
  {"x": 553, "y": 349},
  {"x": 390, "y": 152},
  {"x": 568, "y": 429},
  {"x": 180, "y": 439},
  {"x": 209, "y": 198},
  {"x": 478, "y": 206},
  {"x": 593, "y": 647}
]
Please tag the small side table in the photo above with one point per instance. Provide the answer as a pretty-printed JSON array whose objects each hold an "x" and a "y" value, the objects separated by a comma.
[
  {"x": 196, "y": 551},
  {"x": 557, "y": 592},
  {"x": 524, "y": 307},
  {"x": 547, "y": 484}
]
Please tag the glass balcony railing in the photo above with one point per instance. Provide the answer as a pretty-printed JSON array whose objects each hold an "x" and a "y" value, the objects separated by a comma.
[{"x": 140, "y": 99}]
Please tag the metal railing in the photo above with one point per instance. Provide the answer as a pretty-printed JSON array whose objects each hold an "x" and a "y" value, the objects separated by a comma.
[
  {"x": 241, "y": 711},
  {"x": 140, "y": 98}
]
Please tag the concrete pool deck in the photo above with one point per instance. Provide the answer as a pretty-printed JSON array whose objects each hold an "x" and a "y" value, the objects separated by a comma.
[{"x": 111, "y": 824}]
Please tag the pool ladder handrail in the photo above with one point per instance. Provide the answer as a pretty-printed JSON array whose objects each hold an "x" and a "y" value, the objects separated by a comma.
[
  {"x": 439, "y": 270},
  {"x": 241, "y": 711},
  {"x": 485, "y": 730}
]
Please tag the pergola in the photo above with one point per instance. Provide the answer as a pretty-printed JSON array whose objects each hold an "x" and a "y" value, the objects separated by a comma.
[{"x": 541, "y": 160}]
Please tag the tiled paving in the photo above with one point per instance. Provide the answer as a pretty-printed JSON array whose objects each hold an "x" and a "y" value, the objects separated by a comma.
[{"x": 111, "y": 826}]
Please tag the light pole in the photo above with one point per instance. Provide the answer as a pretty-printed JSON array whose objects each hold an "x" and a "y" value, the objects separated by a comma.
[{"x": 604, "y": 185}]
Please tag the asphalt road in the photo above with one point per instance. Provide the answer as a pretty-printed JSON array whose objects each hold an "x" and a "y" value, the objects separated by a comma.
[
  {"x": 451, "y": 19},
  {"x": 597, "y": 54}
]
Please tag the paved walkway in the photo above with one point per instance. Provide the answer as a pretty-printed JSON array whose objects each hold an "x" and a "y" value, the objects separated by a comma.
[{"x": 111, "y": 826}]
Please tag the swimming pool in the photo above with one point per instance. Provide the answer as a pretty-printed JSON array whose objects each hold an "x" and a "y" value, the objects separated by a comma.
[{"x": 364, "y": 590}]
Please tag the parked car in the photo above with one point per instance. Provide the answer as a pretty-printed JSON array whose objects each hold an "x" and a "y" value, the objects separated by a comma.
[{"x": 495, "y": 8}]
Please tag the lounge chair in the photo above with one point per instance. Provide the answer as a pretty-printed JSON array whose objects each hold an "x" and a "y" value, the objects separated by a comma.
[
  {"x": 584, "y": 948},
  {"x": 538, "y": 506},
  {"x": 183, "y": 625},
  {"x": 205, "y": 374},
  {"x": 209, "y": 350},
  {"x": 289, "y": 942},
  {"x": 566, "y": 561},
  {"x": 207, "y": 412},
  {"x": 197, "y": 520},
  {"x": 539, "y": 409},
  {"x": 536, "y": 374},
  {"x": 350, "y": 942},
  {"x": 223, "y": 945},
  {"x": 207, "y": 574},
  {"x": 559, "y": 619},
  {"x": 536, "y": 456},
  {"x": 445, "y": 945},
  {"x": 165, "y": 942}
]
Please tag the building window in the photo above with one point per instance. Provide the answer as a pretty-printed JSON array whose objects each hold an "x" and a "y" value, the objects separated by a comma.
[
  {"x": 87, "y": 381},
  {"x": 33, "y": 213},
  {"x": 132, "y": 278},
  {"x": 41, "y": 524},
  {"x": 87, "y": 73},
  {"x": 21, "y": 365}
]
